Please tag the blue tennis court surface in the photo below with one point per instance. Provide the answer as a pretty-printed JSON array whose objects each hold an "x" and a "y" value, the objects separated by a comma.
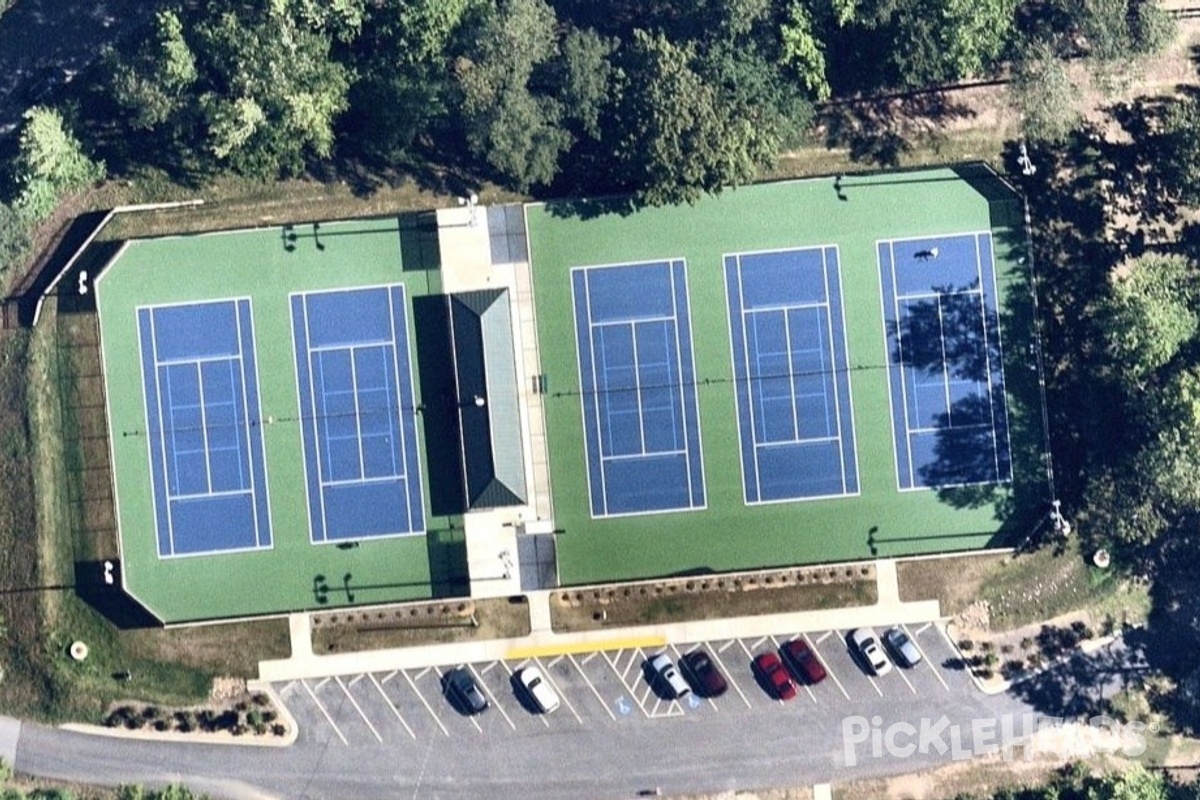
[
  {"x": 640, "y": 415},
  {"x": 357, "y": 412},
  {"x": 791, "y": 375},
  {"x": 949, "y": 412},
  {"x": 203, "y": 423}
]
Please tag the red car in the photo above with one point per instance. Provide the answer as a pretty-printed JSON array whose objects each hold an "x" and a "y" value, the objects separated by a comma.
[
  {"x": 770, "y": 670},
  {"x": 803, "y": 662}
]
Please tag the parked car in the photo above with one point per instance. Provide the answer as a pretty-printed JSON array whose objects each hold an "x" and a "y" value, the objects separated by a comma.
[
  {"x": 802, "y": 661},
  {"x": 771, "y": 670},
  {"x": 703, "y": 674},
  {"x": 462, "y": 689},
  {"x": 539, "y": 690},
  {"x": 663, "y": 670},
  {"x": 868, "y": 647},
  {"x": 903, "y": 649}
]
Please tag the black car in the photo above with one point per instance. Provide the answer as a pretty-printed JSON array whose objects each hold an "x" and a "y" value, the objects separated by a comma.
[
  {"x": 703, "y": 674},
  {"x": 462, "y": 690}
]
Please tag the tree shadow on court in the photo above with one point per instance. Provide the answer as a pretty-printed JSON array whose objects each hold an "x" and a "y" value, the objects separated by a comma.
[
  {"x": 970, "y": 454},
  {"x": 946, "y": 333}
]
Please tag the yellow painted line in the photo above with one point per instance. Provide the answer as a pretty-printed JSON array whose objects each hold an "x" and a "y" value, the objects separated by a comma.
[{"x": 546, "y": 650}]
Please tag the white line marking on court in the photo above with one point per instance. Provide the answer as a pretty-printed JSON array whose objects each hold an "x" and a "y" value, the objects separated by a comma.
[
  {"x": 591, "y": 686},
  {"x": 822, "y": 637},
  {"x": 355, "y": 679},
  {"x": 358, "y": 708},
  {"x": 425, "y": 702},
  {"x": 499, "y": 707},
  {"x": 391, "y": 705},
  {"x": 729, "y": 676},
  {"x": 319, "y": 685},
  {"x": 560, "y": 692},
  {"x": 922, "y": 629},
  {"x": 324, "y": 713},
  {"x": 388, "y": 677},
  {"x": 825, "y": 661}
]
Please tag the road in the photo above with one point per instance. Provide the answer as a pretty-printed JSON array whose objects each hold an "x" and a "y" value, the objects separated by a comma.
[
  {"x": 56, "y": 39},
  {"x": 393, "y": 735}
]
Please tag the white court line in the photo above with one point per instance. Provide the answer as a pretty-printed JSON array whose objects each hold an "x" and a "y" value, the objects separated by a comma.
[
  {"x": 828, "y": 669},
  {"x": 324, "y": 713},
  {"x": 358, "y": 708},
  {"x": 729, "y": 676},
  {"x": 591, "y": 686},
  {"x": 390, "y": 704},
  {"x": 496, "y": 703},
  {"x": 425, "y": 702}
]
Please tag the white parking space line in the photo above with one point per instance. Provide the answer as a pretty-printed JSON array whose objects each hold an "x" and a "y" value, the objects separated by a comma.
[
  {"x": 591, "y": 686},
  {"x": 729, "y": 677},
  {"x": 923, "y": 628},
  {"x": 355, "y": 680},
  {"x": 324, "y": 713},
  {"x": 726, "y": 646},
  {"x": 823, "y": 636},
  {"x": 495, "y": 702},
  {"x": 871, "y": 678},
  {"x": 758, "y": 643},
  {"x": 423, "y": 673},
  {"x": 391, "y": 705},
  {"x": 633, "y": 659},
  {"x": 746, "y": 650},
  {"x": 900, "y": 672},
  {"x": 388, "y": 677},
  {"x": 488, "y": 668},
  {"x": 358, "y": 708},
  {"x": 560, "y": 692},
  {"x": 590, "y": 656},
  {"x": 925, "y": 658},
  {"x": 287, "y": 686},
  {"x": 320, "y": 684},
  {"x": 554, "y": 662},
  {"x": 425, "y": 702},
  {"x": 828, "y": 670}
]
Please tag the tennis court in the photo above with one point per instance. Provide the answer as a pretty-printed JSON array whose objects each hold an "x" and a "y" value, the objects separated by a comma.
[
  {"x": 357, "y": 413},
  {"x": 203, "y": 427},
  {"x": 790, "y": 364},
  {"x": 636, "y": 370},
  {"x": 949, "y": 413}
]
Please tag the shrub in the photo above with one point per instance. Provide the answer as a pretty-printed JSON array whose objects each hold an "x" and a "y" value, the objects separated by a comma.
[{"x": 966, "y": 645}]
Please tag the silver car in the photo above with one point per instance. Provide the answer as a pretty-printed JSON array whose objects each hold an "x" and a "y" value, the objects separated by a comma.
[
  {"x": 902, "y": 647},
  {"x": 868, "y": 647}
]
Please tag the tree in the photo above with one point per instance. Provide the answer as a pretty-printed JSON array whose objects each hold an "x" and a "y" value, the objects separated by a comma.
[
  {"x": 1148, "y": 316},
  {"x": 1176, "y": 149},
  {"x": 50, "y": 162},
  {"x": 586, "y": 78},
  {"x": 516, "y": 129},
  {"x": 677, "y": 138},
  {"x": 152, "y": 82},
  {"x": 1044, "y": 94},
  {"x": 940, "y": 41},
  {"x": 803, "y": 53}
]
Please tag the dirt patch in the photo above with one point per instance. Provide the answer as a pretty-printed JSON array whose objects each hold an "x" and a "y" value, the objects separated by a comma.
[
  {"x": 953, "y": 581},
  {"x": 714, "y": 597}
]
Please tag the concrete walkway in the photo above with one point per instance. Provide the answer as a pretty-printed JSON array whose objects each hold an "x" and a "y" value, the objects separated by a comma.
[{"x": 544, "y": 642}]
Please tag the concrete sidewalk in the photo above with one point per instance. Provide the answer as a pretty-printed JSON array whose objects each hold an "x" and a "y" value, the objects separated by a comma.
[{"x": 889, "y": 610}]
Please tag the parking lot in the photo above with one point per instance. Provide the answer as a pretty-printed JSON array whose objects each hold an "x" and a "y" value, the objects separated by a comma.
[{"x": 606, "y": 689}]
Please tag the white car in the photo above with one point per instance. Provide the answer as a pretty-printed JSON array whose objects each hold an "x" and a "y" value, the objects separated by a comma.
[
  {"x": 868, "y": 647},
  {"x": 664, "y": 670},
  {"x": 539, "y": 690}
]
